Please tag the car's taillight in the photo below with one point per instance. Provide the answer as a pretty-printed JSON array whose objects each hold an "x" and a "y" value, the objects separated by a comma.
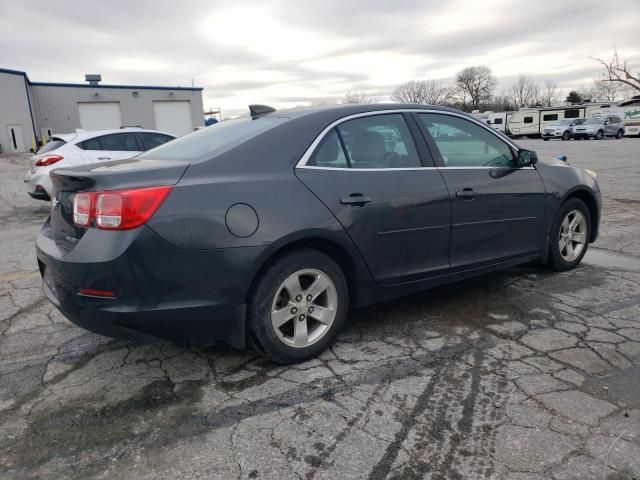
[
  {"x": 118, "y": 209},
  {"x": 82, "y": 206},
  {"x": 48, "y": 160}
]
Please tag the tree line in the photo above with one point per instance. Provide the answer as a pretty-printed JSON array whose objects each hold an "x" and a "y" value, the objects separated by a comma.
[{"x": 474, "y": 88}]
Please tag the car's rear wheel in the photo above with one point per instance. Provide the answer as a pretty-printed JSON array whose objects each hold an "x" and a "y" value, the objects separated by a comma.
[
  {"x": 599, "y": 135},
  {"x": 566, "y": 135},
  {"x": 570, "y": 235},
  {"x": 619, "y": 134},
  {"x": 298, "y": 306},
  {"x": 545, "y": 139}
]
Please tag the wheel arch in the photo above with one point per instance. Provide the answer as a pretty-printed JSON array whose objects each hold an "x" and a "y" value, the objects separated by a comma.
[
  {"x": 339, "y": 249},
  {"x": 590, "y": 201}
]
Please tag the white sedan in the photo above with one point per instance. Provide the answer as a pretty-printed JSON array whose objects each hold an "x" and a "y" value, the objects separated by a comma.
[{"x": 80, "y": 148}]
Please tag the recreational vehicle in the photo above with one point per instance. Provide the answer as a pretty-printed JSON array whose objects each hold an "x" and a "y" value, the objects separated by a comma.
[
  {"x": 500, "y": 121},
  {"x": 531, "y": 122}
]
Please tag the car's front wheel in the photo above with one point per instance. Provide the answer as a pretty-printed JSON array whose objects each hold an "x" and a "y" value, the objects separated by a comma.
[
  {"x": 298, "y": 306},
  {"x": 566, "y": 135},
  {"x": 599, "y": 135},
  {"x": 619, "y": 134},
  {"x": 570, "y": 235}
]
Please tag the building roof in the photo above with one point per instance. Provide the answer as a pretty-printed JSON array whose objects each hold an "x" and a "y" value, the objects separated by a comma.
[{"x": 86, "y": 85}]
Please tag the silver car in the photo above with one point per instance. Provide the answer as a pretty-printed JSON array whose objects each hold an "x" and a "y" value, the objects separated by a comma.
[
  {"x": 564, "y": 129},
  {"x": 599, "y": 127}
]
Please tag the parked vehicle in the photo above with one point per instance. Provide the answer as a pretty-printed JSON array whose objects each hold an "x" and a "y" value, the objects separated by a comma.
[
  {"x": 531, "y": 122},
  {"x": 500, "y": 121},
  {"x": 564, "y": 129},
  {"x": 600, "y": 126},
  {"x": 84, "y": 147},
  {"x": 269, "y": 229},
  {"x": 629, "y": 111}
]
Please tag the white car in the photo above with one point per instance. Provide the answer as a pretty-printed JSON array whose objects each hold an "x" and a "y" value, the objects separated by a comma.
[
  {"x": 65, "y": 150},
  {"x": 564, "y": 129}
]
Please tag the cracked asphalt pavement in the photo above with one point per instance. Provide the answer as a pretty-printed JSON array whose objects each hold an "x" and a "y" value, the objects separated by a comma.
[{"x": 522, "y": 374}]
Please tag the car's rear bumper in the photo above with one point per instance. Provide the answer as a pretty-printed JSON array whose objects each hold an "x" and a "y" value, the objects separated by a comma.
[
  {"x": 38, "y": 183},
  {"x": 160, "y": 292}
]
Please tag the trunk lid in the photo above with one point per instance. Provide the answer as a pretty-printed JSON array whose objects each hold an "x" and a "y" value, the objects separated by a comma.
[{"x": 129, "y": 173}]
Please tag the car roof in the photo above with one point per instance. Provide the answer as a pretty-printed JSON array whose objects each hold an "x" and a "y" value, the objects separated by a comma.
[{"x": 352, "y": 109}]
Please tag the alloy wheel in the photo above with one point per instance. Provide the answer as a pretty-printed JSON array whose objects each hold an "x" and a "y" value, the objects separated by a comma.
[
  {"x": 304, "y": 308},
  {"x": 573, "y": 236}
]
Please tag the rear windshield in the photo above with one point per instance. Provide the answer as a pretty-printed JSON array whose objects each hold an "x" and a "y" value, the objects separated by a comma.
[
  {"x": 52, "y": 145},
  {"x": 212, "y": 140}
]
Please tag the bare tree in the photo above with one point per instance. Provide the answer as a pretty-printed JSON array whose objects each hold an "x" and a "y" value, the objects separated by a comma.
[
  {"x": 430, "y": 92},
  {"x": 524, "y": 92},
  {"x": 501, "y": 103},
  {"x": 606, "y": 91},
  {"x": 550, "y": 94},
  {"x": 477, "y": 84},
  {"x": 618, "y": 70},
  {"x": 358, "y": 97}
]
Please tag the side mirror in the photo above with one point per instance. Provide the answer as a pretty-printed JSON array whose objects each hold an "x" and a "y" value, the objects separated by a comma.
[
  {"x": 606, "y": 122},
  {"x": 526, "y": 158}
]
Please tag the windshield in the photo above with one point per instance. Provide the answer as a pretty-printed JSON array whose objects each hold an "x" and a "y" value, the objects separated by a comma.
[
  {"x": 52, "y": 145},
  {"x": 565, "y": 122},
  {"x": 212, "y": 140},
  {"x": 594, "y": 121}
]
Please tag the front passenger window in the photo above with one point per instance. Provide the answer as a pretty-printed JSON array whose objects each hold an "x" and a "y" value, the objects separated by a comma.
[{"x": 462, "y": 143}]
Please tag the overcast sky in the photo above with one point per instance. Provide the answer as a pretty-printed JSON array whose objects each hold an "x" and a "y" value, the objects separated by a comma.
[{"x": 285, "y": 53}]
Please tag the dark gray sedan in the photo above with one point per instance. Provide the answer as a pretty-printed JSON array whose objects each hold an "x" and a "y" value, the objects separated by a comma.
[{"x": 268, "y": 229}]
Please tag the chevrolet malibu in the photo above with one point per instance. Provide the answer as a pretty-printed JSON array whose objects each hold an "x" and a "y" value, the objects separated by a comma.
[{"x": 266, "y": 230}]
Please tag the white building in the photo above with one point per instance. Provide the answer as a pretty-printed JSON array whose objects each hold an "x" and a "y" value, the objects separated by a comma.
[{"x": 31, "y": 111}]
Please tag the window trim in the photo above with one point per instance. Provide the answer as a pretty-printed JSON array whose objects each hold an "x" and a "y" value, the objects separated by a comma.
[{"x": 302, "y": 163}]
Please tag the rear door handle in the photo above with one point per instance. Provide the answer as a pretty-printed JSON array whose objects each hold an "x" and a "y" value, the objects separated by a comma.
[
  {"x": 466, "y": 193},
  {"x": 104, "y": 158},
  {"x": 355, "y": 199}
]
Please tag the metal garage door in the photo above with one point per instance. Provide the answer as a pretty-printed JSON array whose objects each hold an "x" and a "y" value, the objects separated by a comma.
[
  {"x": 173, "y": 117},
  {"x": 99, "y": 115}
]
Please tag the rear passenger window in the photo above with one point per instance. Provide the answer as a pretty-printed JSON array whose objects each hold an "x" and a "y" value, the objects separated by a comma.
[
  {"x": 379, "y": 141},
  {"x": 121, "y": 142},
  {"x": 152, "y": 140},
  {"x": 329, "y": 154},
  {"x": 91, "y": 144}
]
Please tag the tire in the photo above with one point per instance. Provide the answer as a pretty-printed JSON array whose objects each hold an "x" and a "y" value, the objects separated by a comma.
[
  {"x": 599, "y": 135},
  {"x": 299, "y": 269},
  {"x": 566, "y": 136},
  {"x": 560, "y": 260},
  {"x": 619, "y": 134},
  {"x": 545, "y": 139}
]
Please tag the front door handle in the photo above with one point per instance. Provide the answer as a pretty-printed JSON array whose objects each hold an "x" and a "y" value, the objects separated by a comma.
[
  {"x": 466, "y": 193},
  {"x": 355, "y": 199},
  {"x": 104, "y": 158}
]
